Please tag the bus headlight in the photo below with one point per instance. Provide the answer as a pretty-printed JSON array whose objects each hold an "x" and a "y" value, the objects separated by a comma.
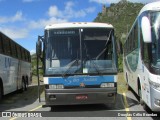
[
  {"x": 105, "y": 85},
  {"x": 154, "y": 85},
  {"x": 60, "y": 86},
  {"x": 56, "y": 86}
]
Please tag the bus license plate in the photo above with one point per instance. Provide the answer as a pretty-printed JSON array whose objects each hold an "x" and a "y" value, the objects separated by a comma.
[{"x": 81, "y": 97}]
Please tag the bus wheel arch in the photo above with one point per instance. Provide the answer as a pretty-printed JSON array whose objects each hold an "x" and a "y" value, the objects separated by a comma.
[
  {"x": 1, "y": 89},
  {"x": 142, "y": 102},
  {"x": 26, "y": 80},
  {"x": 139, "y": 90},
  {"x": 24, "y": 87},
  {"x": 128, "y": 86}
]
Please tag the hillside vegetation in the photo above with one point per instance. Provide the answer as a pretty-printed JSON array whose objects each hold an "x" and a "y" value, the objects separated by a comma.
[{"x": 121, "y": 15}]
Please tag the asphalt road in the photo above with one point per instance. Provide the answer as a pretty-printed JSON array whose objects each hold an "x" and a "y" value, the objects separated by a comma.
[{"x": 27, "y": 103}]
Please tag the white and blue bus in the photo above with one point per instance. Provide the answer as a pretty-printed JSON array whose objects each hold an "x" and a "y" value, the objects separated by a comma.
[
  {"x": 15, "y": 66},
  {"x": 142, "y": 56},
  {"x": 79, "y": 63}
]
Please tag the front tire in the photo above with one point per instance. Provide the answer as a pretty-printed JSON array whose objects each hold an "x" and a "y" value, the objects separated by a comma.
[{"x": 145, "y": 107}]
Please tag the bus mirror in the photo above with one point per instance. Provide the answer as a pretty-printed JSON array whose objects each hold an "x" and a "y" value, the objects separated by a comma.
[
  {"x": 146, "y": 29},
  {"x": 39, "y": 48}
]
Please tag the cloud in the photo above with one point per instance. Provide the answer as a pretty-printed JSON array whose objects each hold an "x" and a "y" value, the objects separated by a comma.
[
  {"x": 15, "y": 33},
  {"x": 53, "y": 11},
  {"x": 43, "y": 22},
  {"x": 57, "y": 15},
  {"x": 28, "y": 1},
  {"x": 116, "y": 1},
  {"x": 17, "y": 17},
  {"x": 69, "y": 11},
  {"x": 32, "y": 51}
]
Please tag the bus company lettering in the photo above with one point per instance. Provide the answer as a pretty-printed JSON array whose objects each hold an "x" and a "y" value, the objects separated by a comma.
[
  {"x": 76, "y": 80},
  {"x": 90, "y": 79}
]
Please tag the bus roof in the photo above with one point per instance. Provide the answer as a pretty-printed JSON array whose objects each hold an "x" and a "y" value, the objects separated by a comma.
[
  {"x": 154, "y": 6},
  {"x": 78, "y": 25}
]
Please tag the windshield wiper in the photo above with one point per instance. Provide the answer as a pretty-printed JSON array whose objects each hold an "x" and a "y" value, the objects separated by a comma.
[
  {"x": 92, "y": 62},
  {"x": 95, "y": 66},
  {"x": 105, "y": 46},
  {"x": 70, "y": 66}
]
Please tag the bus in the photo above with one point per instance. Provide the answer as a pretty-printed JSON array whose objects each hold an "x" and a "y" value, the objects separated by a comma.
[
  {"x": 79, "y": 63},
  {"x": 142, "y": 57},
  {"x": 15, "y": 66}
]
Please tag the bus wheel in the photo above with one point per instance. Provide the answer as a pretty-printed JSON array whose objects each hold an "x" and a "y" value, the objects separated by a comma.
[
  {"x": 145, "y": 107},
  {"x": 26, "y": 84},
  {"x": 140, "y": 95},
  {"x": 24, "y": 87}
]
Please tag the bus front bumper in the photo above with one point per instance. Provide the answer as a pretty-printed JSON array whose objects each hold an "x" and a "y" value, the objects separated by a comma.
[{"x": 80, "y": 96}]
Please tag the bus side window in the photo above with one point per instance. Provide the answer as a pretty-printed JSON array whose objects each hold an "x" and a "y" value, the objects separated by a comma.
[
  {"x": 26, "y": 56},
  {"x": 19, "y": 52},
  {"x": 6, "y": 43},
  {"x": 13, "y": 49},
  {"x": 1, "y": 44},
  {"x": 23, "y": 54}
]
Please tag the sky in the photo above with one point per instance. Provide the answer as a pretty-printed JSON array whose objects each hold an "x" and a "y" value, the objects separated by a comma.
[{"x": 24, "y": 20}]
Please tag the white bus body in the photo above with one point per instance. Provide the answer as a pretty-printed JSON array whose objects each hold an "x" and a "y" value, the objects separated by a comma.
[
  {"x": 15, "y": 66},
  {"x": 141, "y": 56},
  {"x": 80, "y": 63}
]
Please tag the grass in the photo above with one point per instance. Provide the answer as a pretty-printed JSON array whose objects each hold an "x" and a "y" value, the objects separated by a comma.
[
  {"x": 35, "y": 80},
  {"x": 121, "y": 84}
]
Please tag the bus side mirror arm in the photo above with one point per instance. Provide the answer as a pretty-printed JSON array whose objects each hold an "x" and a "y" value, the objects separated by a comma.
[{"x": 39, "y": 47}]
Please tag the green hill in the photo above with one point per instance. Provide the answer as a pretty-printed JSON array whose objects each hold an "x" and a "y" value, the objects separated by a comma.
[
  {"x": 121, "y": 16},
  {"x": 34, "y": 63}
]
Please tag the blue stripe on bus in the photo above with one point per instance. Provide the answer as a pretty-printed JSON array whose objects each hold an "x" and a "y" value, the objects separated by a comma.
[{"x": 76, "y": 80}]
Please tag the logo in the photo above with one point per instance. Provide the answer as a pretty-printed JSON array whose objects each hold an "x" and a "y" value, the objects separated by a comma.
[
  {"x": 6, "y": 114},
  {"x": 82, "y": 85}
]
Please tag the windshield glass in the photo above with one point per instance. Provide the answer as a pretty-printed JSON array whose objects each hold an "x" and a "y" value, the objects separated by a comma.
[
  {"x": 79, "y": 51},
  {"x": 98, "y": 51},
  {"x": 155, "y": 23}
]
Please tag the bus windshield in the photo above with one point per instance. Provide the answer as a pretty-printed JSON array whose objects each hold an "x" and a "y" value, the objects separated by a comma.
[
  {"x": 155, "y": 23},
  {"x": 80, "y": 51}
]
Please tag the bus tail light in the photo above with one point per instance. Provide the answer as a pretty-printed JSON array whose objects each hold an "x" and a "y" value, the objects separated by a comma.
[{"x": 105, "y": 85}]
